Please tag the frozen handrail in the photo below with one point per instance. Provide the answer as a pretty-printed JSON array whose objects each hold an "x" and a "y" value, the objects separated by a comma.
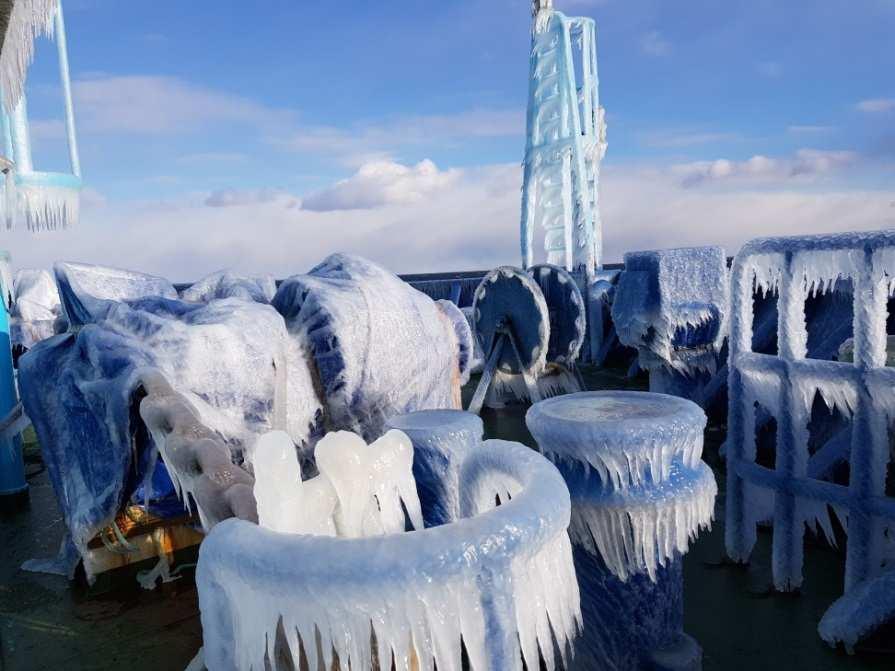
[
  {"x": 500, "y": 579},
  {"x": 786, "y": 384}
]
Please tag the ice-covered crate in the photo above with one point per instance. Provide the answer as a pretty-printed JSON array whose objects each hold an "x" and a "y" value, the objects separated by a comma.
[
  {"x": 671, "y": 300},
  {"x": 786, "y": 386}
]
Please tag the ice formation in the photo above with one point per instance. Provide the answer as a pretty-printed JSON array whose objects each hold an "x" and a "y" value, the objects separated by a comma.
[
  {"x": 441, "y": 441},
  {"x": 36, "y": 308},
  {"x": 85, "y": 289},
  {"x": 500, "y": 579},
  {"x": 380, "y": 347},
  {"x": 672, "y": 306},
  {"x": 228, "y": 284},
  {"x": 633, "y": 465},
  {"x": 566, "y": 140},
  {"x": 786, "y": 384},
  {"x": 232, "y": 362},
  {"x": 860, "y": 612},
  {"x": 359, "y": 492},
  {"x": 28, "y": 20}
]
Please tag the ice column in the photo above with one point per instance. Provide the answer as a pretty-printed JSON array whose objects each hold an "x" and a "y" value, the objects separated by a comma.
[
  {"x": 640, "y": 492},
  {"x": 441, "y": 440}
]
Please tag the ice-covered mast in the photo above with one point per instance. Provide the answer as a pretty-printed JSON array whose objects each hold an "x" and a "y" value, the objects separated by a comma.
[
  {"x": 44, "y": 200},
  {"x": 566, "y": 141}
]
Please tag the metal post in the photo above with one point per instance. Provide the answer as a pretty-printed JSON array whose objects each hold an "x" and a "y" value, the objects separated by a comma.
[
  {"x": 12, "y": 467},
  {"x": 62, "y": 47},
  {"x": 21, "y": 141}
]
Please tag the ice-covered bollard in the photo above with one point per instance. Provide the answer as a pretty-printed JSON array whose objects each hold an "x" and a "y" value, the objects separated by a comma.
[
  {"x": 497, "y": 584},
  {"x": 441, "y": 440},
  {"x": 640, "y": 492}
]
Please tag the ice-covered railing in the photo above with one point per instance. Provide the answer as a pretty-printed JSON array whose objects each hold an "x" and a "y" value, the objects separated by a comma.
[
  {"x": 500, "y": 580},
  {"x": 786, "y": 384}
]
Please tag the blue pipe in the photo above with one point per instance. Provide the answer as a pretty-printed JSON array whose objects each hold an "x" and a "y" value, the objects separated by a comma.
[{"x": 12, "y": 466}]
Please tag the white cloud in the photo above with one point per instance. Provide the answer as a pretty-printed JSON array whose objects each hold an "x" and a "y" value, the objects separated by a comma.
[
  {"x": 472, "y": 221},
  {"x": 242, "y": 197},
  {"x": 371, "y": 141},
  {"x": 653, "y": 44},
  {"x": 379, "y": 184},
  {"x": 877, "y": 105},
  {"x": 152, "y": 104},
  {"x": 804, "y": 164}
]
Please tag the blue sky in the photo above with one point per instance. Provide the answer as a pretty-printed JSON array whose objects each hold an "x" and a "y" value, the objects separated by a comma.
[{"x": 266, "y": 135}]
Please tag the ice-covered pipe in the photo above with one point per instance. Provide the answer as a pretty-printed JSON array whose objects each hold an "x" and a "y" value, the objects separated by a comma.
[
  {"x": 640, "y": 493},
  {"x": 501, "y": 579}
]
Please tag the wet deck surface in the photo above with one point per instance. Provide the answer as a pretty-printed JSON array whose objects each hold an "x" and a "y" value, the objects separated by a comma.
[{"x": 48, "y": 623}]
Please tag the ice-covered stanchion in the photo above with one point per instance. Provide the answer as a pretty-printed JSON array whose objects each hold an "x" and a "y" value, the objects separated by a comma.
[
  {"x": 441, "y": 441},
  {"x": 498, "y": 583},
  {"x": 640, "y": 493},
  {"x": 672, "y": 306}
]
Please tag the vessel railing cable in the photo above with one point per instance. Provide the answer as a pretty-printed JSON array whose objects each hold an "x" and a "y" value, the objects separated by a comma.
[{"x": 787, "y": 383}]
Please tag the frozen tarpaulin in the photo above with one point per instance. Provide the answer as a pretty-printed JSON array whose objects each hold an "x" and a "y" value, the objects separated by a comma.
[
  {"x": 35, "y": 309},
  {"x": 81, "y": 389},
  {"x": 381, "y": 348}
]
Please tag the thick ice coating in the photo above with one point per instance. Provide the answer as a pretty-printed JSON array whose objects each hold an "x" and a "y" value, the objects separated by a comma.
[
  {"x": 35, "y": 308},
  {"x": 632, "y": 462},
  {"x": 627, "y": 437},
  {"x": 786, "y": 384},
  {"x": 501, "y": 580},
  {"x": 673, "y": 299},
  {"x": 380, "y": 347},
  {"x": 228, "y": 284}
]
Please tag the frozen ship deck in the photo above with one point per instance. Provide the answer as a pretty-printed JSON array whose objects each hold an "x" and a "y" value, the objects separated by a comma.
[{"x": 47, "y": 623}]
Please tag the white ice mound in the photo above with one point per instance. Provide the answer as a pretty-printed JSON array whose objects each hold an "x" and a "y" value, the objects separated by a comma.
[
  {"x": 35, "y": 307},
  {"x": 501, "y": 580}
]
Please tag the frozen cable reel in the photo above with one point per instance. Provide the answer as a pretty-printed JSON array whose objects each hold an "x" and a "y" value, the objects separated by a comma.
[
  {"x": 568, "y": 328},
  {"x": 512, "y": 324}
]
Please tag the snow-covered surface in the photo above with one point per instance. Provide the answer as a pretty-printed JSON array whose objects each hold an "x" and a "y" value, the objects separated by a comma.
[
  {"x": 566, "y": 140},
  {"x": 35, "y": 308},
  {"x": 860, "y": 612},
  {"x": 380, "y": 347},
  {"x": 672, "y": 305},
  {"x": 228, "y": 284},
  {"x": 441, "y": 440},
  {"x": 786, "y": 384},
  {"x": 501, "y": 578},
  {"x": 627, "y": 437},
  {"x": 639, "y": 489}
]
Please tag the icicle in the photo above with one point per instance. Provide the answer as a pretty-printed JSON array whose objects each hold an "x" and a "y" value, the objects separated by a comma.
[
  {"x": 46, "y": 207},
  {"x": 28, "y": 20}
]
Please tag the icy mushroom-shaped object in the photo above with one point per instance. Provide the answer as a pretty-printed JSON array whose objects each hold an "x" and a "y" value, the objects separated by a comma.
[
  {"x": 640, "y": 493},
  {"x": 499, "y": 582}
]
